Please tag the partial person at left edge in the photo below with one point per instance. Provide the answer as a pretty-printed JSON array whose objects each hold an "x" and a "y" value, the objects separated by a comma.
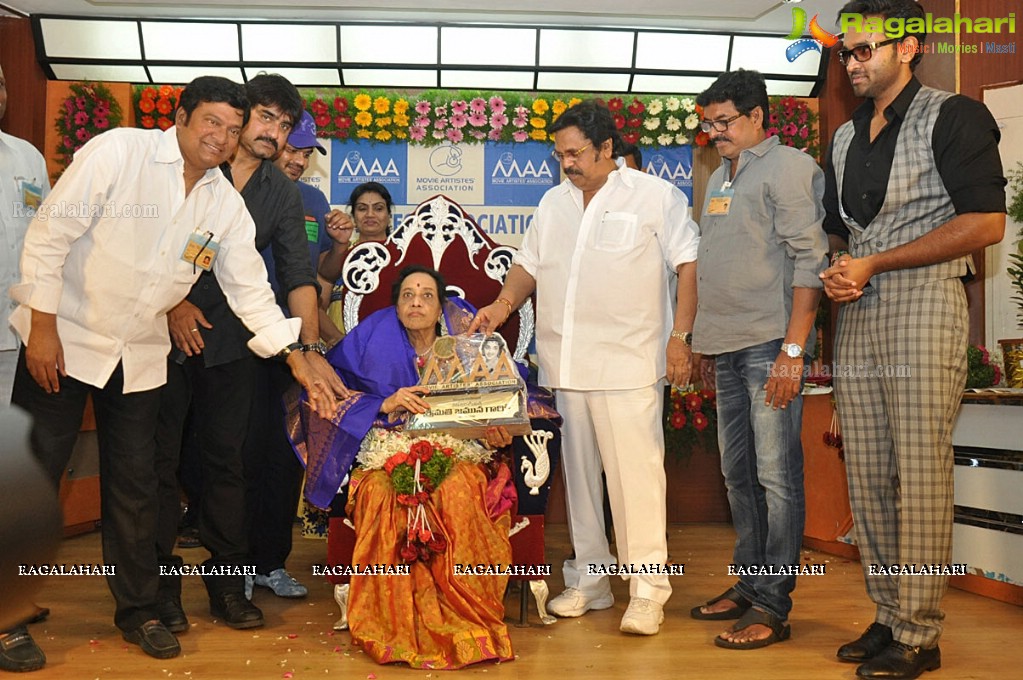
[
  {"x": 93, "y": 299},
  {"x": 23, "y": 186}
]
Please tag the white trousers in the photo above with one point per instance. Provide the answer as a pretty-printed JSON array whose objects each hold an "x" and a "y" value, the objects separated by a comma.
[{"x": 620, "y": 432}]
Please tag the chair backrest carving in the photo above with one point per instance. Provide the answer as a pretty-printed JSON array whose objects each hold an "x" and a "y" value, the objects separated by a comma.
[{"x": 438, "y": 233}]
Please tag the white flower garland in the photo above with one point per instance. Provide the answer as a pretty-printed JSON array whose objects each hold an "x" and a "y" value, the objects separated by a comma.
[{"x": 380, "y": 444}]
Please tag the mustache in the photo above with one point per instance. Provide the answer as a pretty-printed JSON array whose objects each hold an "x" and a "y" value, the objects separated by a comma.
[
  {"x": 573, "y": 171},
  {"x": 718, "y": 140},
  {"x": 269, "y": 140}
]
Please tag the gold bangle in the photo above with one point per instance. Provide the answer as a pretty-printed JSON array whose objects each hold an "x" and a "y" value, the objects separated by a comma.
[{"x": 507, "y": 304}]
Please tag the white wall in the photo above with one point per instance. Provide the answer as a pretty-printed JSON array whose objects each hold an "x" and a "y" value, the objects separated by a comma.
[{"x": 1006, "y": 104}]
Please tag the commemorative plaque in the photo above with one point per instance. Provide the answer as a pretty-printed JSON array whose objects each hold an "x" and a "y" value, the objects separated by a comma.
[{"x": 473, "y": 385}]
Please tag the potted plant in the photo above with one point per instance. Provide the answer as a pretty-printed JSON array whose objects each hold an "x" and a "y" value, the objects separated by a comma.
[{"x": 1012, "y": 350}]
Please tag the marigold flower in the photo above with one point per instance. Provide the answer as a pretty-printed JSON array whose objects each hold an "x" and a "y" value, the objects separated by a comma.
[{"x": 363, "y": 101}]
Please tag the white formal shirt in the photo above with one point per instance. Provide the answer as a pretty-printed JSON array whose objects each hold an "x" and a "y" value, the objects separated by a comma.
[
  {"x": 21, "y": 168},
  {"x": 104, "y": 253},
  {"x": 603, "y": 313}
]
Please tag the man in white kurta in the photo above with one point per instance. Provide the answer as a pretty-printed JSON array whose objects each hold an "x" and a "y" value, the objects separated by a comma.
[{"x": 599, "y": 255}]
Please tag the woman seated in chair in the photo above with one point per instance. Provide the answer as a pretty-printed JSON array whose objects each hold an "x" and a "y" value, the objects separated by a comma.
[{"x": 432, "y": 618}]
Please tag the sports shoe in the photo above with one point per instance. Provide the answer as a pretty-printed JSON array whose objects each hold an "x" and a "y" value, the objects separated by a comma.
[
  {"x": 643, "y": 617},
  {"x": 574, "y": 602},
  {"x": 281, "y": 583}
]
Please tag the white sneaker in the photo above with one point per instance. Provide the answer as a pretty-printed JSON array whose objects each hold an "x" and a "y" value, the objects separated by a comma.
[
  {"x": 574, "y": 602},
  {"x": 643, "y": 617}
]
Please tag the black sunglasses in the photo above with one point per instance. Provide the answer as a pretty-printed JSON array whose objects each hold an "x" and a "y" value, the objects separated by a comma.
[{"x": 863, "y": 53}]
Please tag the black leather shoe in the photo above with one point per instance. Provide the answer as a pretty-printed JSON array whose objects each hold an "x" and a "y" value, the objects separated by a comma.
[
  {"x": 901, "y": 662},
  {"x": 172, "y": 616},
  {"x": 154, "y": 639},
  {"x": 235, "y": 610},
  {"x": 873, "y": 641},
  {"x": 19, "y": 652},
  {"x": 40, "y": 615}
]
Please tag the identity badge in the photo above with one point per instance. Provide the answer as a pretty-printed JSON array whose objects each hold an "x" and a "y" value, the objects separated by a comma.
[
  {"x": 720, "y": 200},
  {"x": 201, "y": 250},
  {"x": 31, "y": 195}
]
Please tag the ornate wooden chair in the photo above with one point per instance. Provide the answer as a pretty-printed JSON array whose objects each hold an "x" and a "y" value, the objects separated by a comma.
[{"x": 438, "y": 233}]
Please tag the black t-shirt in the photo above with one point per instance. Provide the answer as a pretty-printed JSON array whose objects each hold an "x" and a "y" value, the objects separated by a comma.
[
  {"x": 965, "y": 144},
  {"x": 275, "y": 204}
]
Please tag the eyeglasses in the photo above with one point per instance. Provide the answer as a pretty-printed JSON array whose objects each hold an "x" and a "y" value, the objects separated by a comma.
[
  {"x": 863, "y": 53},
  {"x": 719, "y": 125},
  {"x": 574, "y": 155}
]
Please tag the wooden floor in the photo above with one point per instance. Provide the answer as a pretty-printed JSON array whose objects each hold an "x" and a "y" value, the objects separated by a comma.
[{"x": 982, "y": 636}]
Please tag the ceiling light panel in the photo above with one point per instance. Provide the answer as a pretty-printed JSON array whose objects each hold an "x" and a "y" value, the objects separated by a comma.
[
  {"x": 289, "y": 42},
  {"x": 598, "y": 49},
  {"x": 388, "y": 45},
  {"x": 584, "y": 82},
  {"x": 682, "y": 51},
  {"x": 182, "y": 75},
  {"x": 487, "y": 80},
  {"x": 488, "y": 46},
  {"x": 299, "y": 76},
  {"x": 172, "y": 41},
  {"x": 767, "y": 55},
  {"x": 652, "y": 84},
  {"x": 108, "y": 73},
  {"x": 381, "y": 77},
  {"x": 88, "y": 39}
]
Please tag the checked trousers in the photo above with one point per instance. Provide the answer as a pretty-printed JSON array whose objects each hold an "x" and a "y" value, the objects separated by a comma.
[{"x": 899, "y": 377}]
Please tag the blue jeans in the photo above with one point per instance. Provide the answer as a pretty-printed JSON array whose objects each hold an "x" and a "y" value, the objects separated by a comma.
[{"x": 762, "y": 461}]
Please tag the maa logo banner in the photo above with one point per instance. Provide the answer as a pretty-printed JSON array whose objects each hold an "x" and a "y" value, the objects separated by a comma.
[
  {"x": 450, "y": 169},
  {"x": 519, "y": 174},
  {"x": 353, "y": 163},
  {"x": 674, "y": 164}
]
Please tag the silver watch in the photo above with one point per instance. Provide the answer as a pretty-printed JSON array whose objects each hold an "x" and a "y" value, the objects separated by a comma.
[{"x": 792, "y": 349}]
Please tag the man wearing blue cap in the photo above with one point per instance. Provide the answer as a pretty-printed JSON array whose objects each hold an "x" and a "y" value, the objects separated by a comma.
[{"x": 323, "y": 225}]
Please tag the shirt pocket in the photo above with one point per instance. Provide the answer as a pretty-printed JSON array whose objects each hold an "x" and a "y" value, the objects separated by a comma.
[{"x": 615, "y": 231}]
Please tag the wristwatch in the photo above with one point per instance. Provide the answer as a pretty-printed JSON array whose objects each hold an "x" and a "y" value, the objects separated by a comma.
[
  {"x": 792, "y": 349},
  {"x": 286, "y": 352},
  {"x": 319, "y": 347},
  {"x": 686, "y": 337}
]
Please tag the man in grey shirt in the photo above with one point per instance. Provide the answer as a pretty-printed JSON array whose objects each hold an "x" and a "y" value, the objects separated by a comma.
[{"x": 761, "y": 249}]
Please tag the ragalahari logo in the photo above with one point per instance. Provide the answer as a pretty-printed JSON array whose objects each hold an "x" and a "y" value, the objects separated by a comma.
[{"x": 820, "y": 38}]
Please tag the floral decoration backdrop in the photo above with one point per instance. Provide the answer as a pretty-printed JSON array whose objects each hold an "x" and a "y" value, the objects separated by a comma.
[{"x": 434, "y": 117}]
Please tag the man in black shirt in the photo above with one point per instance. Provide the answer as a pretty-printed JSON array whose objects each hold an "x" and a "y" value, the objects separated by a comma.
[
  {"x": 212, "y": 370},
  {"x": 913, "y": 186}
]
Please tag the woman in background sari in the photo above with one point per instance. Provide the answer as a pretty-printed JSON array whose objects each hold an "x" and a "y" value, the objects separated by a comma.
[{"x": 433, "y": 618}]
